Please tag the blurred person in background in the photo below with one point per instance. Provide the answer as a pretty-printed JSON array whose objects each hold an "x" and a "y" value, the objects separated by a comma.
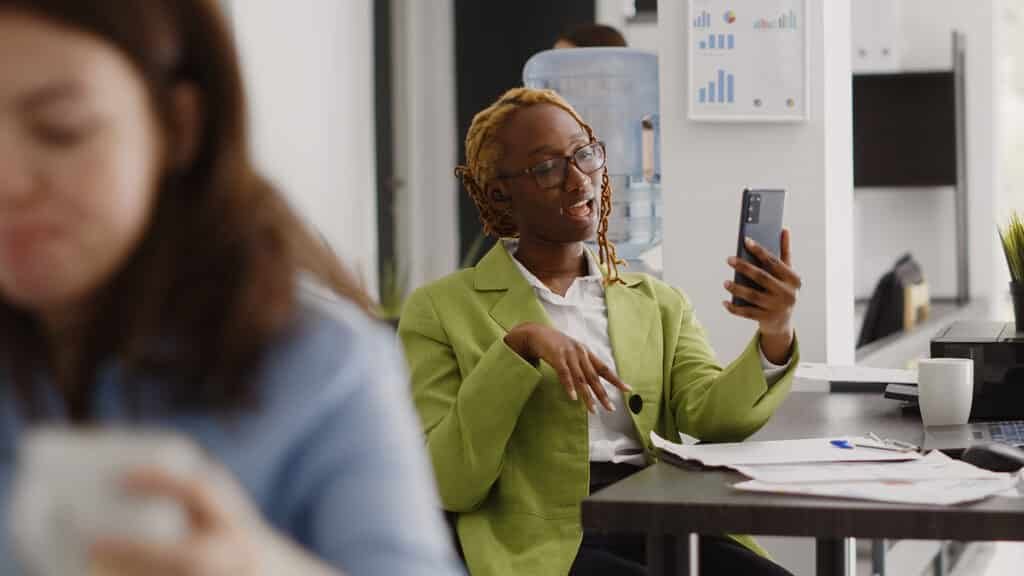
[
  {"x": 149, "y": 277},
  {"x": 591, "y": 35}
]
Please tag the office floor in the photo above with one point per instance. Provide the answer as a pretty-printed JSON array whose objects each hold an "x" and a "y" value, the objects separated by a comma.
[
  {"x": 976, "y": 559},
  {"x": 990, "y": 559}
]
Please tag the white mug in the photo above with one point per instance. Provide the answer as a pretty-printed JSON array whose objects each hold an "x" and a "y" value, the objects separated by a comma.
[
  {"x": 945, "y": 390},
  {"x": 69, "y": 490}
]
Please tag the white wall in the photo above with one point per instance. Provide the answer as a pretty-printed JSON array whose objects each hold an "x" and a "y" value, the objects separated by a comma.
[
  {"x": 891, "y": 222},
  {"x": 707, "y": 165},
  {"x": 638, "y": 34},
  {"x": 1012, "y": 93},
  {"x": 876, "y": 35},
  {"x": 308, "y": 67}
]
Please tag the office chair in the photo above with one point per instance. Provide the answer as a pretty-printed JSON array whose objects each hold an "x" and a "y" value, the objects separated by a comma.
[{"x": 899, "y": 302}]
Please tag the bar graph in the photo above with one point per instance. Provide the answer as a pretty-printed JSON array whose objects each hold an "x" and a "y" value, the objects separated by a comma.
[
  {"x": 718, "y": 42},
  {"x": 703, "y": 20},
  {"x": 784, "y": 21},
  {"x": 721, "y": 90},
  {"x": 748, "y": 59}
]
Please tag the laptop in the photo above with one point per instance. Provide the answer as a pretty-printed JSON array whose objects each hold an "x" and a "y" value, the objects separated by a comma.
[{"x": 955, "y": 439}]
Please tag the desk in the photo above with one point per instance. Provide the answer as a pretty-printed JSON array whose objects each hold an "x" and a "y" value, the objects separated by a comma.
[{"x": 669, "y": 503}]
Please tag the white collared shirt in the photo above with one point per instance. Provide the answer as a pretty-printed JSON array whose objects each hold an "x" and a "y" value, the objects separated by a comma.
[{"x": 583, "y": 316}]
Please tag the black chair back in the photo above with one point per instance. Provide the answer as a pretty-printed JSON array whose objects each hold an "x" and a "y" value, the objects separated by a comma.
[{"x": 885, "y": 310}]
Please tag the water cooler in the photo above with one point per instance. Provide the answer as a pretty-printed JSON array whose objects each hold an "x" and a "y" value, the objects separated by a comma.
[{"x": 615, "y": 90}]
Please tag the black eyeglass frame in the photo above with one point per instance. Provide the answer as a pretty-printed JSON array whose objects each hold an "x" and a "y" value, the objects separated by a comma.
[{"x": 571, "y": 158}]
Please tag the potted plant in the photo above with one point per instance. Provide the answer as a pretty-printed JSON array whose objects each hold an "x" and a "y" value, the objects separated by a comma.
[
  {"x": 1012, "y": 237},
  {"x": 394, "y": 286}
]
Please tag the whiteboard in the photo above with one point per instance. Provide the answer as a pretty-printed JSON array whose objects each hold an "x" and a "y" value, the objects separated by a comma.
[{"x": 748, "y": 61}]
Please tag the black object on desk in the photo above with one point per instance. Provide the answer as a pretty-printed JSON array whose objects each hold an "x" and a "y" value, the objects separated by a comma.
[
  {"x": 670, "y": 503},
  {"x": 997, "y": 349},
  {"x": 995, "y": 457},
  {"x": 953, "y": 440},
  {"x": 901, "y": 391}
]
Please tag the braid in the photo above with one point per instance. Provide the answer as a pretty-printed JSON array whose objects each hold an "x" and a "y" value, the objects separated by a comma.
[
  {"x": 606, "y": 250},
  {"x": 483, "y": 151}
]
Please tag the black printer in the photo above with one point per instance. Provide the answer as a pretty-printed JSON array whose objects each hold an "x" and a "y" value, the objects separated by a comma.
[{"x": 997, "y": 349}]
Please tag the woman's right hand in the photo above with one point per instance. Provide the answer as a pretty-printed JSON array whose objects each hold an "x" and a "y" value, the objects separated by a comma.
[{"x": 578, "y": 369}]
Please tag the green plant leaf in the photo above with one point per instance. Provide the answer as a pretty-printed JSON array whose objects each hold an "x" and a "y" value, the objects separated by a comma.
[
  {"x": 394, "y": 285},
  {"x": 1012, "y": 237}
]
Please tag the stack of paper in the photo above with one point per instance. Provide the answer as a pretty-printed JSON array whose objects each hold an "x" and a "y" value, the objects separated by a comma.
[
  {"x": 935, "y": 479},
  {"x": 817, "y": 467},
  {"x": 807, "y": 450},
  {"x": 935, "y": 465}
]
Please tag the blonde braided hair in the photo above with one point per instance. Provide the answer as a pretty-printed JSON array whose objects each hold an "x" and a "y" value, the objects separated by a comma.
[{"x": 484, "y": 151}]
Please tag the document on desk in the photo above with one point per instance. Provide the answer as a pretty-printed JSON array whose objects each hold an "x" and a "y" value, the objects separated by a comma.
[
  {"x": 808, "y": 450},
  {"x": 935, "y": 492},
  {"x": 934, "y": 466},
  {"x": 825, "y": 373},
  {"x": 934, "y": 479}
]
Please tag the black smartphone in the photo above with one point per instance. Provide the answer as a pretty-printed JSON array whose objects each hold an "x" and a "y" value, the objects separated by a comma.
[{"x": 761, "y": 220}]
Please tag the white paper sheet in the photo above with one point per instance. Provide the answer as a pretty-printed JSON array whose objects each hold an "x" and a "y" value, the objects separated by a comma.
[
  {"x": 817, "y": 372},
  {"x": 779, "y": 452},
  {"x": 936, "y": 492},
  {"x": 934, "y": 466}
]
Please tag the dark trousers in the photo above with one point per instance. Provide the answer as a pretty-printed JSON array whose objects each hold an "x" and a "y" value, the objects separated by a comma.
[{"x": 625, "y": 554}]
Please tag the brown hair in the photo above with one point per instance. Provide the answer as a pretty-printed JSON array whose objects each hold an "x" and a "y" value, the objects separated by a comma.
[
  {"x": 484, "y": 152},
  {"x": 589, "y": 35},
  {"x": 213, "y": 279}
]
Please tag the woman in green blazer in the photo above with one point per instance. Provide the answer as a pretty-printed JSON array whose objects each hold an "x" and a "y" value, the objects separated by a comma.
[{"x": 540, "y": 373}]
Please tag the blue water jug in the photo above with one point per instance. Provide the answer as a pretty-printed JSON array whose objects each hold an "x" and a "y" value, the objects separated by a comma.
[{"x": 615, "y": 90}]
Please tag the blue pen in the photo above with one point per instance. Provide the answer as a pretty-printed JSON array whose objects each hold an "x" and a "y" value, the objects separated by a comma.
[{"x": 841, "y": 444}]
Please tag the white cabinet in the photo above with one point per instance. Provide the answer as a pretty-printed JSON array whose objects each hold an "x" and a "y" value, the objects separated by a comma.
[{"x": 875, "y": 40}]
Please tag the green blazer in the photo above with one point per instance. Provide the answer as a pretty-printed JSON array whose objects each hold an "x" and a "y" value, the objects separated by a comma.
[{"x": 510, "y": 449}]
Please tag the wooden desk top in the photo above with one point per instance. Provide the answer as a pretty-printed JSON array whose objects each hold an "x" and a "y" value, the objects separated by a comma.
[
  {"x": 666, "y": 498},
  {"x": 816, "y": 414}
]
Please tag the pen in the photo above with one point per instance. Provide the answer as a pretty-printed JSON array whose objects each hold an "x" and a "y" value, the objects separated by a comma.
[
  {"x": 896, "y": 443},
  {"x": 904, "y": 445},
  {"x": 892, "y": 448}
]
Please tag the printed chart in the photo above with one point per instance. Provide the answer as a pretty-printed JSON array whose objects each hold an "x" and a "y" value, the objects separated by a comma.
[{"x": 748, "y": 61}]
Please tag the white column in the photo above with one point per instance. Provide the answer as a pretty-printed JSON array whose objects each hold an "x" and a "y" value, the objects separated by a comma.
[
  {"x": 308, "y": 68},
  {"x": 426, "y": 142},
  {"x": 707, "y": 165}
]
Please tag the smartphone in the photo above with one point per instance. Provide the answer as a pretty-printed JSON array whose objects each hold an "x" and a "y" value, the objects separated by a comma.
[{"x": 760, "y": 219}]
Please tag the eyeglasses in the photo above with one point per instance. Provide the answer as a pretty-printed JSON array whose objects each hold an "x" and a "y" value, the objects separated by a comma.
[{"x": 553, "y": 171}]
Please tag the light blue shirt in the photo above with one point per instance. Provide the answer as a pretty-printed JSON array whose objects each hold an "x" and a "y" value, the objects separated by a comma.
[{"x": 332, "y": 455}]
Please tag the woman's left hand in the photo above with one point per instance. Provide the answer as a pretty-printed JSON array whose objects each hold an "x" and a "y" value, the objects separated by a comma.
[
  {"x": 772, "y": 308},
  {"x": 226, "y": 534}
]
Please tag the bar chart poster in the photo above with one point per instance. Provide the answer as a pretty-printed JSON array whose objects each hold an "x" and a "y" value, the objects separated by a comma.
[{"x": 748, "y": 61}]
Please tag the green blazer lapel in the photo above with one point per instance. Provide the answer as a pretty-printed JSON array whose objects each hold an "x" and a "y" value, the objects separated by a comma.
[
  {"x": 497, "y": 272},
  {"x": 634, "y": 329}
]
